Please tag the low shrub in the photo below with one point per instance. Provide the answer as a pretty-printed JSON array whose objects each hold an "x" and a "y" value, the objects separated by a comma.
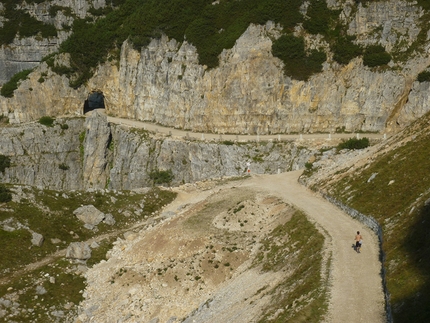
[
  {"x": 376, "y": 55},
  {"x": 4, "y": 119},
  {"x": 47, "y": 121},
  {"x": 161, "y": 176},
  {"x": 354, "y": 143},
  {"x": 344, "y": 50},
  {"x": 5, "y": 194},
  {"x": 53, "y": 10},
  {"x": 319, "y": 18},
  {"x": 424, "y": 77},
  {"x": 227, "y": 142},
  {"x": 63, "y": 166},
  {"x": 9, "y": 87},
  {"x": 299, "y": 65},
  {"x": 19, "y": 22},
  {"x": 4, "y": 163}
]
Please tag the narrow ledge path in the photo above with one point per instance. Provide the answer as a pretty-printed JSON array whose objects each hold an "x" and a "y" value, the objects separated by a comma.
[{"x": 179, "y": 133}]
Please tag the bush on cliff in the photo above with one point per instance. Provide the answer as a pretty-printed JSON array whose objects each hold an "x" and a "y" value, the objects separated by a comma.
[
  {"x": 9, "y": 87},
  {"x": 5, "y": 195},
  {"x": 19, "y": 22},
  {"x": 376, "y": 55},
  {"x": 298, "y": 64},
  {"x": 319, "y": 18},
  {"x": 47, "y": 121},
  {"x": 209, "y": 27},
  {"x": 161, "y": 176},
  {"x": 424, "y": 77},
  {"x": 4, "y": 163},
  {"x": 354, "y": 143},
  {"x": 344, "y": 50}
]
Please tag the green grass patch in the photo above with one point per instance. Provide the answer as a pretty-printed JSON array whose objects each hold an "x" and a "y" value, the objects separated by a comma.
[
  {"x": 52, "y": 216},
  {"x": 14, "y": 245},
  {"x": 301, "y": 297},
  {"x": 65, "y": 289},
  {"x": 50, "y": 213}
]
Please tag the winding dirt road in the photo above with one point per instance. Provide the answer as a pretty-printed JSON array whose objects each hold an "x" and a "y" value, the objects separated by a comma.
[{"x": 356, "y": 291}]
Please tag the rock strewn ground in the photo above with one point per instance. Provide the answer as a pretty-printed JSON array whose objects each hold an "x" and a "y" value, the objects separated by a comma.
[{"x": 197, "y": 263}]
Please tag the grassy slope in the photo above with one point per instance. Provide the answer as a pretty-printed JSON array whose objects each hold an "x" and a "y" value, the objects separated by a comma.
[
  {"x": 306, "y": 299},
  {"x": 397, "y": 197},
  {"x": 50, "y": 213}
]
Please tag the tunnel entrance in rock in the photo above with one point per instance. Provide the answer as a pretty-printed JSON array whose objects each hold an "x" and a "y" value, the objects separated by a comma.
[{"x": 95, "y": 100}]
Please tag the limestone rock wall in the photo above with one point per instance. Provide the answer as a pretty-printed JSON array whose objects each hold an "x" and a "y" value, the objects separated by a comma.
[
  {"x": 37, "y": 151},
  {"x": 26, "y": 53},
  {"x": 35, "y": 98},
  {"x": 93, "y": 154},
  {"x": 248, "y": 93}
]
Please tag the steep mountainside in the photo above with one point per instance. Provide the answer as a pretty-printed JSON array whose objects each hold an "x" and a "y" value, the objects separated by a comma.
[
  {"x": 362, "y": 68},
  {"x": 390, "y": 182},
  {"x": 82, "y": 154}
]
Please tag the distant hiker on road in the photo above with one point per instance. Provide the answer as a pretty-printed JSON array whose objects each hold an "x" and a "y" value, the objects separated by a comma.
[
  {"x": 248, "y": 169},
  {"x": 358, "y": 241}
]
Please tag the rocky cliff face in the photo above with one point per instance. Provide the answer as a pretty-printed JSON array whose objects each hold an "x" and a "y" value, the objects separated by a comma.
[
  {"x": 93, "y": 154},
  {"x": 26, "y": 53},
  {"x": 248, "y": 93}
]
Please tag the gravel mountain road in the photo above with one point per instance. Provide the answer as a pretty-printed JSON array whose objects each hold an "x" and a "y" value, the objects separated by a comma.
[{"x": 356, "y": 293}]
